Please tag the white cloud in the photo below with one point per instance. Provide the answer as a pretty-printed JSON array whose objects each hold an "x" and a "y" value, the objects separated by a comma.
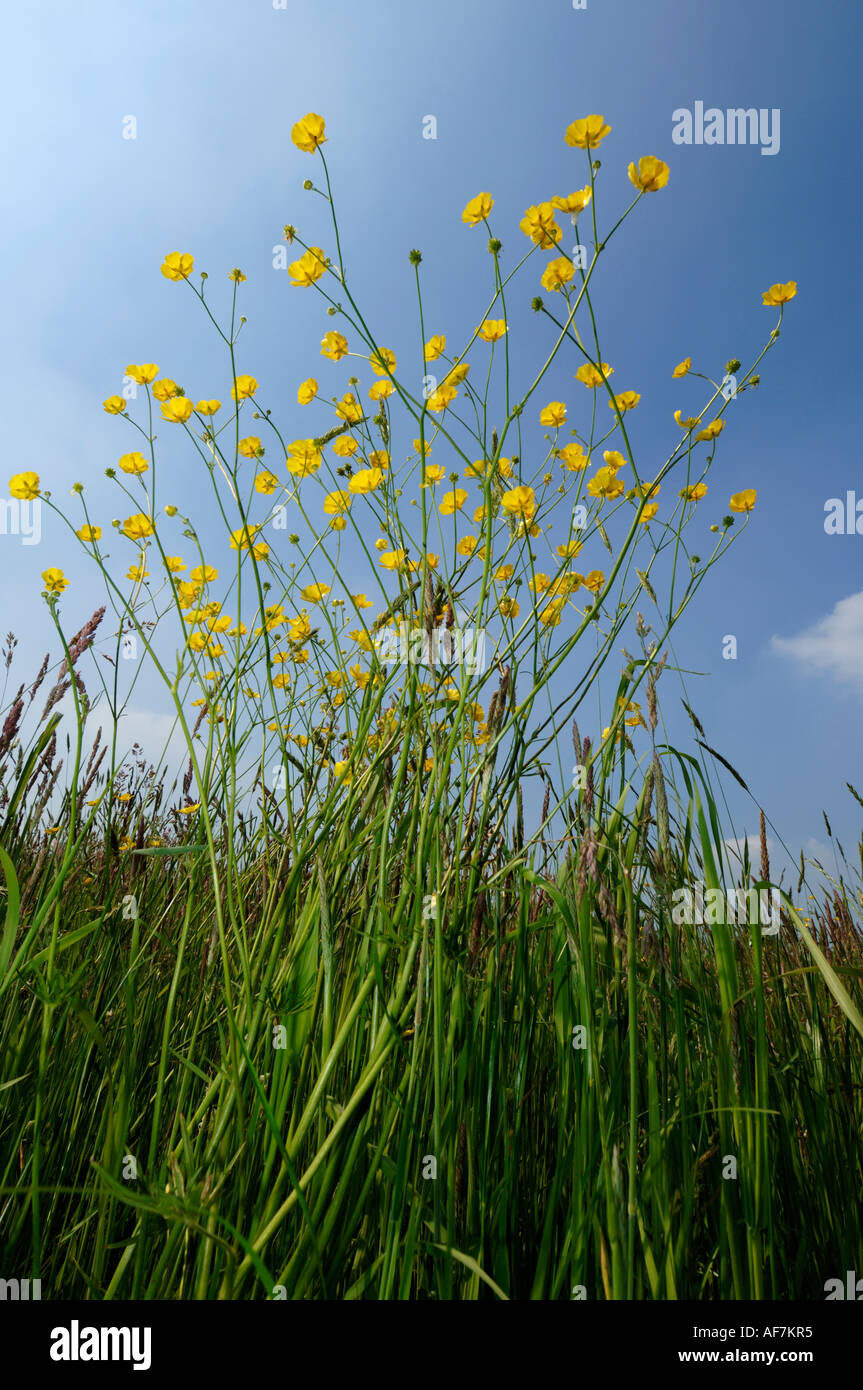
[{"x": 833, "y": 645}]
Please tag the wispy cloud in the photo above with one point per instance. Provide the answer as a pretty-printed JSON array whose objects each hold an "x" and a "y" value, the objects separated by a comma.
[{"x": 833, "y": 645}]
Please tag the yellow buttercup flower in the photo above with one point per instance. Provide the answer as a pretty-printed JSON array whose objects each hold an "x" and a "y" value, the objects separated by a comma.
[
  {"x": 689, "y": 423},
  {"x": 304, "y": 457},
  {"x": 313, "y": 593},
  {"x": 244, "y": 539},
  {"x": 133, "y": 463},
  {"x": 24, "y": 486},
  {"x": 307, "y": 391},
  {"x": 334, "y": 346},
  {"x": 204, "y": 574},
  {"x": 166, "y": 388},
  {"x": 780, "y": 294},
  {"x": 452, "y": 501},
  {"x": 379, "y": 390},
  {"x": 250, "y": 447},
  {"x": 627, "y": 400},
  {"x": 467, "y": 546},
  {"x": 144, "y": 374},
  {"x": 509, "y": 607},
  {"x": 137, "y": 573},
  {"x": 308, "y": 133},
  {"x": 743, "y": 501},
  {"x": 594, "y": 581},
  {"x": 137, "y": 527},
  {"x": 538, "y": 223},
  {"x": 266, "y": 482},
  {"x": 89, "y": 533},
  {"x": 383, "y": 362},
  {"x": 573, "y": 458},
  {"x": 391, "y": 559},
  {"x": 587, "y": 132},
  {"x": 712, "y": 430},
  {"x": 174, "y": 564},
  {"x": 309, "y": 268},
  {"x": 345, "y": 446},
  {"x": 693, "y": 493},
  {"x": 55, "y": 581},
  {"x": 338, "y": 523},
  {"x": 349, "y": 409},
  {"x": 442, "y": 397},
  {"x": 177, "y": 410},
  {"x": 434, "y": 347},
  {"x": 114, "y": 405},
  {"x": 682, "y": 367},
  {"x": 208, "y": 407},
  {"x": 650, "y": 175},
  {"x": 573, "y": 203},
  {"x": 605, "y": 483},
  {"x": 553, "y": 415},
  {"x": 649, "y": 512},
  {"x": 337, "y": 502},
  {"x": 557, "y": 274},
  {"x": 591, "y": 376},
  {"x": 177, "y": 265},
  {"x": 366, "y": 480},
  {"x": 243, "y": 387},
  {"x": 492, "y": 330},
  {"x": 520, "y": 501},
  {"x": 433, "y": 473},
  {"x": 478, "y": 209}
]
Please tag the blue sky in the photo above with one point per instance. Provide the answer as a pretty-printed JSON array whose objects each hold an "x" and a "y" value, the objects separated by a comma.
[{"x": 215, "y": 88}]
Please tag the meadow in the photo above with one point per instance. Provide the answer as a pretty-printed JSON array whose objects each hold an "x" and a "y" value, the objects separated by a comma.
[{"x": 380, "y": 992}]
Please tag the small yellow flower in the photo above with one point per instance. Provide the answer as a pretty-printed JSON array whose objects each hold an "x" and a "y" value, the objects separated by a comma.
[
  {"x": 345, "y": 446},
  {"x": 334, "y": 346},
  {"x": 204, "y": 574},
  {"x": 383, "y": 362},
  {"x": 137, "y": 527},
  {"x": 689, "y": 423},
  {"x": 308, "y": 133},
  {"x": 435, "y": 346},
  {"x": 591, "y": 375},
  {"x": 250, "y": 447},
  {"x": 627, "y": 400},
  {"x": 133, "y": 463},
  {"x": 366, "y": 480},
  {"x": 307, "y": 391},
  {"x": 452, "y": 501},
  {"x": 573, "y": 458},
  {"x": 520, "y": 501},
  {"x": 114, "y": 405},
  {"x": 304, "y": 458},
  {"x": 650, "y": 175},
  {"x": 143, "y": 374},
  {"x": 648, "y": 513},
  {"x": 743, "y": 501},
  {"x": 208, "y": 407},
  {"x": 587, "y": 133},
  {"x": 780, "y": 294},
  {"x": 349, "y": 409},
  {"x": 266, "y": 482},
  {"x": 24, "y": 486},
  {"x": 337, "y": 502},
  {"x": 177, "y": 410},
  {"x": 711, "y": 431},
  {"x": 442, "y": 397},
  {"x": 466, "y": 546},
  {"x": 557, "y": 274},
  {"x": 187, "y": 810},
  {"x": 174, "y": 564},
  {"x": 682, "y": 367},
  {"x": 478, "y": 209},
  {"x": 391, "y": 559},
  {"x": 553, "y": 415},
  {"x": 693, "y": 493},
  {"x": 164, "y": 389},
  {"x": 573, "y": 203},
  {"x": 538, "y": 223},
  {"x": 55, "y": 581},
  {"x": 594, "y": 581},
  {"x": 379, "y": 390},
  {"x": 89, "y": 533},
  {"x": 492, "y": 330},
  {"x": 309, "y": 268},
  {"x": 177, "y": 265},
  {"x": 137, "y": 574},
  {"x": 243, "y": 387},
  {"x": 236, "y": 275},
  {"x": 313, "y": 593}
]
